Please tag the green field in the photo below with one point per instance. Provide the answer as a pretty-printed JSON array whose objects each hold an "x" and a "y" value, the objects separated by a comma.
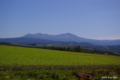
[{"x": 10, "y": 55}]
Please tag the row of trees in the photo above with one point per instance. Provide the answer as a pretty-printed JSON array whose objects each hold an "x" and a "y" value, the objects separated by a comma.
[{"x": 76, "y": 49}]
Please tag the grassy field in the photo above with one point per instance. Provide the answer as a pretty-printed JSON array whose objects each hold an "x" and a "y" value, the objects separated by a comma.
[
  {"x": 10, "y": 55},
  {"x": 21, "y": 63}
]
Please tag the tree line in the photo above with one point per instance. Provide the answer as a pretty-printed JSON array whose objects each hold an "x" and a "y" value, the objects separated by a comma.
[
  {"x": 76, "y": 49},
  {"x": 72, "y": 49}
]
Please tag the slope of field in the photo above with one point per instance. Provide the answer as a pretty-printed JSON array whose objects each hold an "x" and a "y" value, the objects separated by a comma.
[{"x": 10, "y": 55}]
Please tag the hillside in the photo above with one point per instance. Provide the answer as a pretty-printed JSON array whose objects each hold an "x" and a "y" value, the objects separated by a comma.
[{"x": 10, "y": 55}]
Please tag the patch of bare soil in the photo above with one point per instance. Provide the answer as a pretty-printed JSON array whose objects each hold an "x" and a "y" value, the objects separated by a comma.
[
  {"x": 91, "y": 75},
  {"x": 86, "y": 75}
]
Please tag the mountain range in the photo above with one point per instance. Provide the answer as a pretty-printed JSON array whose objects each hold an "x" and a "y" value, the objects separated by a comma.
[{"x": 66, "y": 39}]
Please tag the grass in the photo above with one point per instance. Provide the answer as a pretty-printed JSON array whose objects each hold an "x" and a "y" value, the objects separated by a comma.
[
  {"x": 10, "y": 55},
  {"x": 53, "y": 74},
  {"x": 21, "y": 63},
  {"x": 36, "y": 75}
]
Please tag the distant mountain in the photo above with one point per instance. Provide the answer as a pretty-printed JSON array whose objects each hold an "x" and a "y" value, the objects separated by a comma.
[
  {"x": 23, "y": 40},
  {"x": 67, "y": 37},
  {"x": 62, "y": 37},
  {"x": 38, "y": 41},
  {"x": 27, "y": 41},
  {"x": 115, "y": 48}
]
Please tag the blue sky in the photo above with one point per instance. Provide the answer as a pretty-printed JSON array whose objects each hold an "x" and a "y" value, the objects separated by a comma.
[{"x": 94, "y": 19}]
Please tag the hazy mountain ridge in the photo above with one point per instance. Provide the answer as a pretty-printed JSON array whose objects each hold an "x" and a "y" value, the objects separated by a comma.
[
  {"x": 23, "y": 40},
  {"x": 67, "y": 37}
]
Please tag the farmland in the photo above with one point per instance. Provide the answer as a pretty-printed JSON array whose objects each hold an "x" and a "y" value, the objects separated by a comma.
[
  {"x": 21, "y": 63},
  {"x": 10, "y": 55}
]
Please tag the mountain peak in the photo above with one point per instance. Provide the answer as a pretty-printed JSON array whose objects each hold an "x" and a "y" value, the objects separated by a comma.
[
  {"x": 28, "y": 34},
  {"x": 40, "y": 35},
  {"x": 67, "y": 35}
]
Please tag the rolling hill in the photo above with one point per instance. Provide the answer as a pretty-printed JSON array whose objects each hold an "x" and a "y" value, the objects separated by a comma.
[{"x": 10, "y": 55}]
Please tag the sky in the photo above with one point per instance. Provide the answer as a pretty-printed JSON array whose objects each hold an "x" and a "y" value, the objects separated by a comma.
[{"x": 93, "y": 19}]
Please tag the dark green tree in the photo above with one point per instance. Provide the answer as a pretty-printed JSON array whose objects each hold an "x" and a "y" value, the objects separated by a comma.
[
  {"x": 72, "y": 50},
  {"x": 78, "y": 49},
  {"x": 53, "y": 47},
  {"x": 64, "y": 49},
  {"x": 45, "y": 47},
  {"x": 56, "y": 48},
  {"x": 68, "y": 49}
]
